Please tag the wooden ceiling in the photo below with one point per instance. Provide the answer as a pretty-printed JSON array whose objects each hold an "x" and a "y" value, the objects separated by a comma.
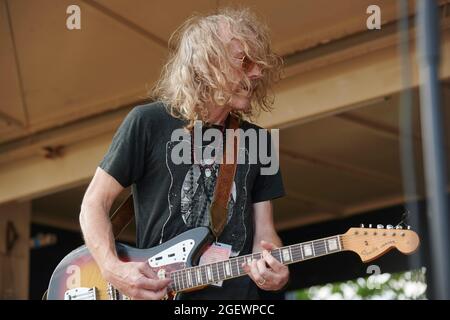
[{"x": 53, "y": 76}]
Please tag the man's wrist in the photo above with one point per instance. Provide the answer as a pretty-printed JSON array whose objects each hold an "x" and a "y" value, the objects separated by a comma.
[{"x": 109, "y": 265}]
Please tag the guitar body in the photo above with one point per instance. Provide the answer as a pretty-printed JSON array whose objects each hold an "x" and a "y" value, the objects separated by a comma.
[{"x": 77, "y": 276}]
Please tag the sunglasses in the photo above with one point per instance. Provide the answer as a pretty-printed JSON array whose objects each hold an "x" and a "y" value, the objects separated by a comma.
[{"x": 246, "y": 63}]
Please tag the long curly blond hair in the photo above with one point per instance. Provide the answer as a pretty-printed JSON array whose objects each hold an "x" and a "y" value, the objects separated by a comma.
[{"x": 199, "y": 68}]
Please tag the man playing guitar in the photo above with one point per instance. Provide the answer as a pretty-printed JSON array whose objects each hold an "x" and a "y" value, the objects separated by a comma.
[{"x": 219, "y": 65}]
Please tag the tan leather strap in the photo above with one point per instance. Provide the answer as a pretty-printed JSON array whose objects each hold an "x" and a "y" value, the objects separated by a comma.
[
  {"x": 122, "y": 217},
  {"x": 227, "y": 171}
]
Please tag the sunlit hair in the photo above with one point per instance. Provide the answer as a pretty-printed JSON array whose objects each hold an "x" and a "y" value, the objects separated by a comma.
[{"x": 200, "y": 68}]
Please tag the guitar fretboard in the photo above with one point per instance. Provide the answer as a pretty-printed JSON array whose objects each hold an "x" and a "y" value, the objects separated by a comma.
[{"x": 206, "y": 274}]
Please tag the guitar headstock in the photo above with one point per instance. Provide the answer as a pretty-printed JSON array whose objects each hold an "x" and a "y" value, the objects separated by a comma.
[{"x": 371, "y": 243}]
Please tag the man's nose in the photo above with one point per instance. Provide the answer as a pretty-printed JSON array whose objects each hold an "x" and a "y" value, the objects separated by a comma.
[{"x": 255, "y": 72}]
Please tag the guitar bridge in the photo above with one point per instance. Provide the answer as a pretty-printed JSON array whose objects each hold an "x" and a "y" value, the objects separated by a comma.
[{"x": 81, "y": 294}]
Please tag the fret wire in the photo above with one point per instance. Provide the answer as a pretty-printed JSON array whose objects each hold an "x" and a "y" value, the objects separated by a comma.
[
  {"x": 221, "y": 270},
  {"x": 236, "y": 267},
  {"x": 175, "y": 280},
  {"x": 192, "y": 273},
  {"x": 240, "y": 260},
  {"x": 203, "y": 273},
  {"x": 213, "y": 272},
  {"x": 231, "y": 267},
  {"x": 180, "y": 284},
  {"x": 224, "y": 269},
  {"x": 183, "y": 278},
  {"x": 197, "y": 280},
  {"x": 217, "y": 268},
  {"x": 227, "y": 266},
  {"x": 173, "y": 284},
  {"x": 188, "y": 279},
  {"x": 175, "y": 277},
  {"x": 205, "y": 269},
  {"x": 199, "y": 274}
]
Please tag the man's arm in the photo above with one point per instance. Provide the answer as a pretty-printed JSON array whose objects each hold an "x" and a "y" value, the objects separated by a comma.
[
  {"x": 134, "y": 279},
  {"x": 268, "y": 273}
]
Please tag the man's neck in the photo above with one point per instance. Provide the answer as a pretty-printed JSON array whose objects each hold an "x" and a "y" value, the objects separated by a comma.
[{"x": 218, "y": 114}]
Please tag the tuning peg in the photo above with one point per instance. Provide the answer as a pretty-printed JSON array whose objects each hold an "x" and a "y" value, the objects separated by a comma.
[
  {"x": 408, "y": 227},
  {"x": 361, "y": 225},
  {"x": 380, "y": 226},
  {"x": 389, "y": 226},
  {"x": 398, "y": 227},
  {"x": 370, "y": 225}
]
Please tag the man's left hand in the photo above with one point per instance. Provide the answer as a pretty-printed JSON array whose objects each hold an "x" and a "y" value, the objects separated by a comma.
[{"x": 268, "y": 273}]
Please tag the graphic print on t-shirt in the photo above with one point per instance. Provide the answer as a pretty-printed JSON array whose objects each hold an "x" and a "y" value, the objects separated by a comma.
[
  {"x": 197, "y": 193},
  {"x": 194, "y": 193}
]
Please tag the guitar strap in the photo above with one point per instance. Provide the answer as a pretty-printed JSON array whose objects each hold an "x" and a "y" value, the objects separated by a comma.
[
  {"x": 219, "y": 206},
  {"x": 124, "y": 214}
]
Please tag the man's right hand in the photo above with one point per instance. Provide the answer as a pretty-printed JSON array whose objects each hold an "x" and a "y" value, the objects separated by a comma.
[{"x": 136, "y": 280}]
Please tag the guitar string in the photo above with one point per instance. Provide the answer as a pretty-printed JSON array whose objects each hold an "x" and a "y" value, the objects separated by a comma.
[
  {"x": 319, "y": 246},
  {"x": 295, "y": 250}
]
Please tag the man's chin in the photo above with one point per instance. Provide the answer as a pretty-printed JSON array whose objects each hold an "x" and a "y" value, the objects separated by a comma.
[
  {"x": 243, "y": 107},
  {"x": 240, "y": 104}
]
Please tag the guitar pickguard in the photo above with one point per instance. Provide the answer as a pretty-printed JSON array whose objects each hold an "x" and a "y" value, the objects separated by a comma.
[
  {"x": 177, "y": 253},
  {"x": 78, "y": 276}
]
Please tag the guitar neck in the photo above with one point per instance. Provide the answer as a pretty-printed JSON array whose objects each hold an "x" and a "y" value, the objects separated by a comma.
[{"x": 206, "y": 274}]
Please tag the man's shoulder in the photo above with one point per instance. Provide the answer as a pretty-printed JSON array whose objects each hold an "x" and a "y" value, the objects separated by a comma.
[
  {"x": 151, "y": 110},
  {"x": 153, "y": 113}
]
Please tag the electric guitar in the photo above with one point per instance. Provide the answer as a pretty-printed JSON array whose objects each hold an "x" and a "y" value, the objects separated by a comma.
[{"x": 77, "y": 276}]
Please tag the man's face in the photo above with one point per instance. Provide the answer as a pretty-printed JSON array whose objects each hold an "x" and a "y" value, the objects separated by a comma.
[{"x": 241, "y": 97}]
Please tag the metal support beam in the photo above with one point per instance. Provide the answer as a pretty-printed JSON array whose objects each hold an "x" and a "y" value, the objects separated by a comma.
[
  {"x": 434, "y": 156},
  {"x": 128, "y": 23}
]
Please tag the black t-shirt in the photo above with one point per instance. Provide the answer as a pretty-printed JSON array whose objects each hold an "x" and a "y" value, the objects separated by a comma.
[{"x": 171, "y": 198}]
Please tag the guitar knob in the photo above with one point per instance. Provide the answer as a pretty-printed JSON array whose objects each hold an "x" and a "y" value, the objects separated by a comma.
[
  {"x": 398, "y": 227},
  {"x": 361, "y": 225},
  {"x": 380, "y": 226},
  {"x": 389, "y": 226}
]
